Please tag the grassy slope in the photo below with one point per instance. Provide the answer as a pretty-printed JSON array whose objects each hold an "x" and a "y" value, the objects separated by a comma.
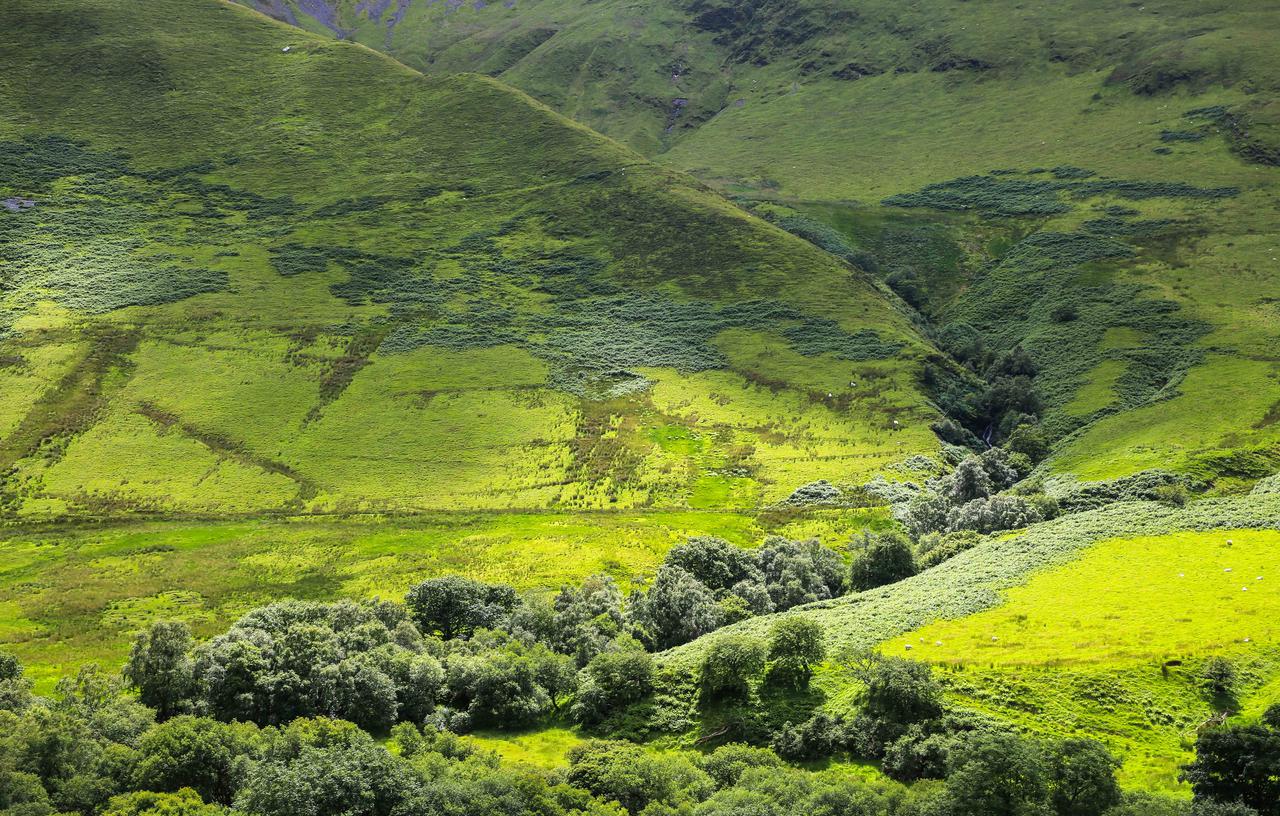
[
  {"x": 202, "y": 329},
  {"x": 74, "y": 593},
  {"x": 401, "y": 287},
  {"x": 1086, "y": 667},
  {"x": 830, "y": 101}
]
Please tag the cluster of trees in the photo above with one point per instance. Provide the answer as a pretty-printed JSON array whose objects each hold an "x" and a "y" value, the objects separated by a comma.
[
  {"x": 460, "y": 653},
  {"x": 707, "y": 583},
  {"x": 93, "y": 748},
  {"x": 733, "y": 664},
  {"x": 990, "y": 773},
  {"x": 1001, "y": 407},
  {"x": 972, "y": 499},
  {"x": 95, "y": 751},
  {"x": 368, "y": 663}
]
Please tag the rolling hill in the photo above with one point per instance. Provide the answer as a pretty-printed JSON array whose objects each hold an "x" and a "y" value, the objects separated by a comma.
[
  {"x": 322, "y": 305},
  {"x": 323, "y": 282},
  {"x": 251, "y": 274},
  {"x": 1081, "y": 119}
]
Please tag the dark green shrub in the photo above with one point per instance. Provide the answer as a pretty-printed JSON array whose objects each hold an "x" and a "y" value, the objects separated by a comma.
[
  {"x": 726, "y": 764},
  {"x": 454, "y": 606},
  {"x": 1237, "y": 764},
  {"x": 795, "y": 646},
  {"x": 881, "y": 559},
  {"x": 730, "y": 664},
  {"x": 1082, "y": 778},
  {"x": 160, "y": 667}
]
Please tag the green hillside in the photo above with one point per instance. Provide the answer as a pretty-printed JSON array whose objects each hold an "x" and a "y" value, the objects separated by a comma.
[
  {"x": 893, "y": 388},
  {"x": 1096, "y": 624},
  {"x": 323, "y": 282},
  {"x": 835, "y": 107}
]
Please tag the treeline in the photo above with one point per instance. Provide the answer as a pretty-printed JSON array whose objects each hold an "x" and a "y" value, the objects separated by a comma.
[
  {"x": 949, "y": 513},
  {"x": 462, "y": 654},
  {"x": 94, "y": 749}
]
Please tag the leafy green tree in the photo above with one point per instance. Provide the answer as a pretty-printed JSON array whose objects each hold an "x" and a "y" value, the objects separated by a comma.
[
  {"x": 96, "y": 698},
  {"x": 782, "y": 791},
  {"x": 161, "y": 668},
  {"x": 1011, "y": 395},
  {"x": 1238, "y": 764},
  {"x": 317, "y": 767},
  {"x": 998, "y": 774},
  {"x": 726, "y": 764},
  {"x": 882, "y": 559},
  {"x": 22, "y": 793},
  {"x": 969, "y": 481},
  {"x": 919, "y": 753},
  {"x": 718, "y": 564},
  {"x": 1218, "y": 677},
  {"x": 587, "y": 617},
  {"x": 1082, "y": 778},
  {"x": 454, "y": 606},
  {"x": 636, "y": 777},
  {"x": 926, "y": 512},
  {"x": 1142, "y": 803},
  {"x": 676, "y": 609},
  {"x": 15, "y": 688},
  {"x": 503, "y": 682},
  {"x": 933, "y": 548},
  {"x": 185, "y": 802},
  {"x": 620, "y": 675},
  {"x": 1001, "y": 468},
  {"x": 302, "y": 659},
  {"x": 554, "y": 672},
  {"x": 795, "y": 645},
  {"x": 730, "y": 663},
  {"x": 359, "y": 689},
  {"x": 1013, "y": 363},
  {"x": 799, "y": 572},
  {"x": 1271, "y": 717},
  {"x": 1031, "y": 441},
  {"x": 1004, "y": 512},
  {"x": 419, "y": 679},
  {"x": 64, "y": 753},
  {"x": 899, "y": 690},
  {"x": 819, "y": 736},
  {"x": 194, "y": 753}
]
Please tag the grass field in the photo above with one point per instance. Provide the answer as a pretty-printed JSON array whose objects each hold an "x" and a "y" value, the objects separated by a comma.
[
  {"x": 1109, "y": 644},
  {"x": 1153, "y": 598},
  {"x": 71, "y": 594}
]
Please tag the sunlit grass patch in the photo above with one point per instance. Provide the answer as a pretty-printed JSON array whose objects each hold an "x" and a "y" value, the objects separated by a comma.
[
  {"x": 1165, "y": 597},
  {"x": 76, "y": 594},
  {"x": 545, "y": 748},
  {"x": 1168, "y": 434}
]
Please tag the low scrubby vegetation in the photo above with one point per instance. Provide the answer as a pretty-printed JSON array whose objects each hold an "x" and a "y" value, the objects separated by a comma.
[{"x": 1032, "y": 194}]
